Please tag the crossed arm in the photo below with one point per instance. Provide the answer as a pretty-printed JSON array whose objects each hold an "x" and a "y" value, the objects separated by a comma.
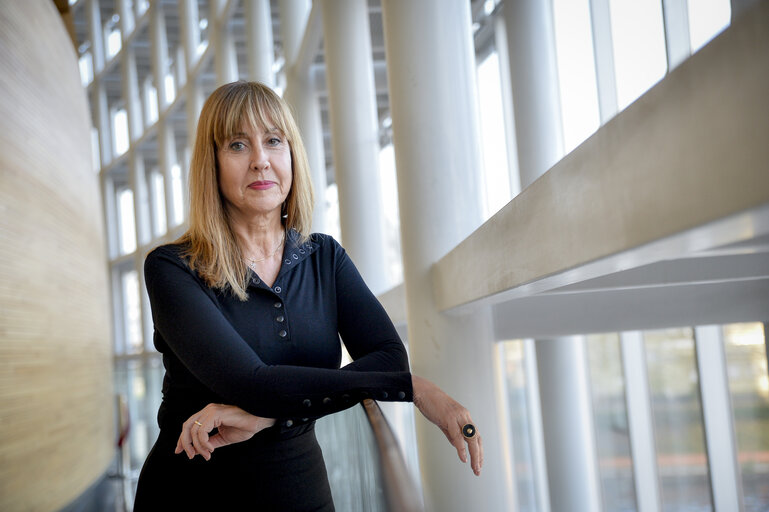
[{"x": 258, "y": 393}]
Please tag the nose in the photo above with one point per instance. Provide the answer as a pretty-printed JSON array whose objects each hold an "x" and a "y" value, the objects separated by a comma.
[{"x": 259, "y": 159}]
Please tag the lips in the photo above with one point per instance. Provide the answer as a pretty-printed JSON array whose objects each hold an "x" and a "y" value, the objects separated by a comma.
[{"x": 261, "y": 185}]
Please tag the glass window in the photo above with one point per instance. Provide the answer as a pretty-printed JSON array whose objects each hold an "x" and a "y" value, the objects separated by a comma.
[
  {"x": 333, "y": 226},
  {"x": 132, "y": 312},
  {"x": 707, "y": 18},
  {"x": 150, "y": 102},
  {"x": 677, "y": 411},
  {"x": 126, "y": 220},
  {"x": 114, "y": 42},
  {"x": 158, "y": 202},
  {"x": 178, "y": 193},
  {"x": 85, "y": 64},
  {"x": 515, "y": 380},
  {"x": 389, "y": 193},
  {"x": 576, "y": 71},
  {"x": 120, "y": 129},
  {"x": 746, "y": 364},
  {"x": 170, "y": 88},
  {"x": 640, "y": 58},
  {"x": 138, "y": 382},
  {"x": 496, "y": 174},
  {"x": 607, "y": 384}
]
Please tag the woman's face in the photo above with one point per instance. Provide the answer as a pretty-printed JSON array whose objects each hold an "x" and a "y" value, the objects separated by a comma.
[{"x": 255, "y": 172}]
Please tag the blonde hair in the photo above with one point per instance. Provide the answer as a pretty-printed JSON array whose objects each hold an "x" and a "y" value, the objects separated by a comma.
[{"x": 210, "y": 246}]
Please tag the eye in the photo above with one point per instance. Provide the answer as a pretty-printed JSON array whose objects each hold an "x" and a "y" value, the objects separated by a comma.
[
  {"x": 274, "y": 141},
  {"x": 237, "y": 146}
]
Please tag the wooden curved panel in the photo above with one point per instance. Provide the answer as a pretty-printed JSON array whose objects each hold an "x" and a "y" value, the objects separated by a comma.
[{"x": 56, "y": 401}]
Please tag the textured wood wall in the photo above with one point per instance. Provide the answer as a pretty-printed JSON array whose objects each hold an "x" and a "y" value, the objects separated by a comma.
[{"x": 56, "y": 401}]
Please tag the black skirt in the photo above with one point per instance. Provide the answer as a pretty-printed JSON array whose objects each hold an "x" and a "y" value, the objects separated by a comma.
[{"x": 277, "y": 469}]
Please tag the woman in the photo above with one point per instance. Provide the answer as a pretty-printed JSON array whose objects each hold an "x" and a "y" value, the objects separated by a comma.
[{"x": 248, "y": 309}]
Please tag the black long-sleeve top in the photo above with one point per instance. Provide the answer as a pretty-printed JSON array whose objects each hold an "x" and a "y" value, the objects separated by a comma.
[{"x": 276, "y": 355}]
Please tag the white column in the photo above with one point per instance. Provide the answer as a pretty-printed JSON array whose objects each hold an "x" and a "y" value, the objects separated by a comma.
[
  {"x": 190, "y": 31},
  {"x": 131, "y": 93},
  {"x": 564, "y": 390},
  {"x": 293, "y": 20},
  {"x": 565, "y": 400},
  {"x": 603, "y": 52},
  {"x": 167, "y": 154},
  {"x": 159, "y": 43},
  {"x": 433, "y": 103},
  {"x": 104, "y": 122},
  {"x": 676, "y": 18},
  {"x": 96, "y": 35},
  {"x": 725, "y": 480},
  {"x": 534, "y": 79},
  {"x": 188, "y": 20},
  {"x": 225, "y": 58},
  {"x": 355, "y": 135},
  {"x": 126, "y": 19},
  {"x": 259, "y": 45},
  {"x": 300, "y": 93},
  {"x": 640, "y": 422}
]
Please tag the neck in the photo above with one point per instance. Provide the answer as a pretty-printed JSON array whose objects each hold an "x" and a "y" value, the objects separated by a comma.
[{"x": 258, "y": 237}]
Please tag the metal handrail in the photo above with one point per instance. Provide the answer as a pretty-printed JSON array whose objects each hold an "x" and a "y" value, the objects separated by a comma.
[{"x": 400, "y": 490}]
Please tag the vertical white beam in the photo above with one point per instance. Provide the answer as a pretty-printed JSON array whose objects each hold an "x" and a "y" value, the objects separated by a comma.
[
  {"x": 259, "y": 45},
  {"x": 190, "y": 31},
  {"x": 603, "y": 52},
  {"x": 225, "y": 58},
  {"x": 167, "y": 154},
  {"x": 294, "y": 13},
  {"x": 725, "y": 481},
  {"x": 567, "y": 420},
  {"x": 355, "y": 135},
  {"x": 565, "y": 401},
  {"x": 126, "y": 19},
  {"x": 96, "y": 35},
  {"x": 131, "y": 98},
  {"x": 433, "y": 103},
  {"x": 104, "y": 122},
  {"x": 141, "y": 198},
  {"x": 500, "y": 42},
  {"x": 159, "y": 44},
  {"x": 675, "y": 16},
  {"x": 300, "y": 93},
  {"x": 503, "y": 406},
  {"x": 110, "y": 215},
  {"x": 539, "y": 460},
  {"x": 534, "y": 78},
  {"x": 640, "y": 422}
]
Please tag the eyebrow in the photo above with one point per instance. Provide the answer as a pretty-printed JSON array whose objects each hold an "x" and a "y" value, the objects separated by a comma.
[{"x": 267, "y": 130}]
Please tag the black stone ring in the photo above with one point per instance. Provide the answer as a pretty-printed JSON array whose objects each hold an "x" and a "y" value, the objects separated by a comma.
[{"x": 469, "y": 431}]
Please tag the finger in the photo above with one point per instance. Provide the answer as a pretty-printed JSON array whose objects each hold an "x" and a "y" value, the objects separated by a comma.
[
  {"x": 458, "y": 442},
  {"x": 197, "y": 431},
  {"x": 186, "y": 439},
  {"x": 200, "y": 441},
  {"x": 476, "y": 453}
]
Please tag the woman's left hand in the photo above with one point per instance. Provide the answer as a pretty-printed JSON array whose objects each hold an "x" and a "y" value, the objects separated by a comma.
[{"x": 233, "y": 423}]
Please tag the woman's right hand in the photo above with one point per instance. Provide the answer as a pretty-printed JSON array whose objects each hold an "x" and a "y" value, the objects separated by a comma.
[
  {"x": 450, "y": 416},
  {"x": 234, "y": 425}
]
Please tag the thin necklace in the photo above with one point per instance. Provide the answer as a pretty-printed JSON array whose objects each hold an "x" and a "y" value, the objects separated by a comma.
[{"x": 252, "y": 263}]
